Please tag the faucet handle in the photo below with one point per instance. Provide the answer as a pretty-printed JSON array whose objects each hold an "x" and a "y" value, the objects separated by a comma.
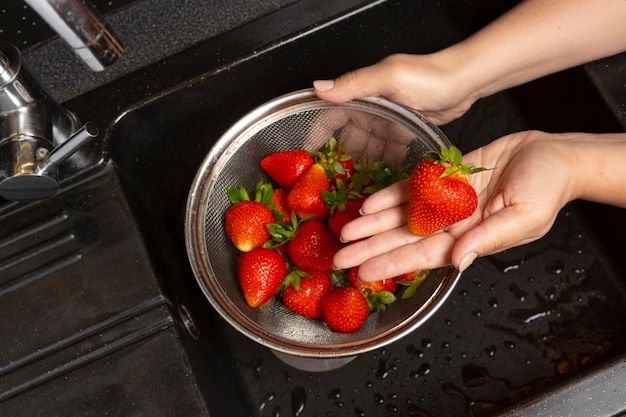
[{"x": 28, "y": 165}]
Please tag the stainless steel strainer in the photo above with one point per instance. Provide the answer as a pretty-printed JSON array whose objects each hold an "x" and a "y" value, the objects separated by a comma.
[{"x": 374, "y": 127}]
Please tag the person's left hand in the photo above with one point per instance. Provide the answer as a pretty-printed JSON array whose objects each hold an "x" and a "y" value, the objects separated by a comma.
[{"x": 518, "y": 203}]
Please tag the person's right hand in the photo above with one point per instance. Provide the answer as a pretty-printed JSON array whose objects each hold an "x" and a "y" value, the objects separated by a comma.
[
  {"x": 429, "y": 84},
  {"x": 535, "y": 174}
]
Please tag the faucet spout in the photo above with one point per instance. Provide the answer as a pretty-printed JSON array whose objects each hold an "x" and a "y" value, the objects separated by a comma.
[{"x": 83, "y": 29}]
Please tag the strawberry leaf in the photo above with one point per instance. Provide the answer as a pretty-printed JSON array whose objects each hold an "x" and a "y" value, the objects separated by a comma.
[
  {"x": 414, "y": 284},
  {"x": 237, "y": 195},
  {"x": 454, "y": 155}
]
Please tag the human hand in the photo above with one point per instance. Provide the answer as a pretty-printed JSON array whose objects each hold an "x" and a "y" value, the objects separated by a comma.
[
  {"x": 518, "y": 203},
  {"x": 429, "y": 84}
]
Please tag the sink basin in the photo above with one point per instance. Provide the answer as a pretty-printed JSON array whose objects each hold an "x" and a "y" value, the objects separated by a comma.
[{"x": 522, "y": 326}]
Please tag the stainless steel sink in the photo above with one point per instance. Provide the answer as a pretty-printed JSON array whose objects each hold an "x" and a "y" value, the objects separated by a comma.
[{"x": 522, "y": 326}]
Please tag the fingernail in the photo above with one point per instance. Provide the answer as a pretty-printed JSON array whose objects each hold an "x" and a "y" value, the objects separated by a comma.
[
  {"x": 342, "y": 240},
  {"x": 467, "y": 261},
  {"x": 323, "y": 85}
]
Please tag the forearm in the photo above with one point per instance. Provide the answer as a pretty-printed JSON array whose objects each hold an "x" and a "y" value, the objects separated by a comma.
[
  {"x": 598, "y": 167},
  {"x": 537, "y": 38}
]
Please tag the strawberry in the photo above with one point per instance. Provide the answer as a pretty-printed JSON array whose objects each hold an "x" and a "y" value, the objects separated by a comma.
[
  {"x": 344, "y": 309},
  {"x": 278, "y": 202},
  {"x": 344, "y": 214},
  {"x": 378, "y": 294},
  {"x": 388, "y": 284},
  {"x": 261, "y": 272},
  {"x": 313, "y": 246},
  {"x": 304, "y": 298},
  {"x": 286, "y": 167},
  {"x": 439, "y": 193},
  {"x": 246, "y": 220},
  {"x": 305, "y": 197}
]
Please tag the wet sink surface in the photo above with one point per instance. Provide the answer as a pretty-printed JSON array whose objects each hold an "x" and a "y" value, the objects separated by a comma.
[{"x": 518, "y": 323}]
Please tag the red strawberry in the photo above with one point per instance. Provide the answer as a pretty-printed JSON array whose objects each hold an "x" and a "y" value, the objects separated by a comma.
[
  {"x": 261, "y": 273},
  {"x": 286, "y": 167},
  {"x": 388, "y": 284},
  {"x": 278, "y": 202},
  {"x": 439, "y": 193},
  {"x": 339, "y": 217},
  {"x": 379, "y": 294},
  {"x": 313, "y": 247},
  {"x": 246, "y": 224},
  {"x": 344, "y": 309},
  {"x": 246, "y": 220},
  {"x": 305, "y": 197},
  {"x": 305, "y": 299}
]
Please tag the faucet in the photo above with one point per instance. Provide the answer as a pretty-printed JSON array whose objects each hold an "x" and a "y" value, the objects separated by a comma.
[
  {"x": 83, "y": 29},
  {"x": 36, "y": 133}
]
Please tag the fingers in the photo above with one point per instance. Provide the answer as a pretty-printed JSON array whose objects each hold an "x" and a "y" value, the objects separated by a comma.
[
  {"x": 414, "y": 255},
  {"x": 359, "y": 83},
  {"x": 392, "y": 196},
  {"x": 357, "y": 253}
]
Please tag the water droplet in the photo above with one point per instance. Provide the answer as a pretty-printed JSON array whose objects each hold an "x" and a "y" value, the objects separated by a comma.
[
  {"x": 382, "y": 371},
  {"x": 504, "y": 266},
  {"x": 491, "y": 351},
  {"x": 255, "y": 365},
  {"x": 392, "y": 408},
  {"x": 477, "y": 313},
  {"x": 334, "y": 393},
  {"x": 277, "y": 411},
  {"x": 517, "y": 292},
  {"x": 426, "y": 343},
  {"x": 379, "y": 399},
  {"x": 267, "y": 399},
  {"x": 464, "y": 293},
  {"x": 448, "y": 322},
  {"x": 298, "y": 401},
  {"x": 359, "y": 412},
  {"x": 526, "y": 316},
  {"x": 423, "y": 370},
  {"x": 493, "y": 302},
  {"x": 555, "y": 267},
  {"x": 509, "y": 344}
]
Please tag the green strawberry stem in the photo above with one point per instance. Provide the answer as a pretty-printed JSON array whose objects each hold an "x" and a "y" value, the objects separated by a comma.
[
  {"x": 330, "y": 157},
  {"x": 453, "y": 157}
]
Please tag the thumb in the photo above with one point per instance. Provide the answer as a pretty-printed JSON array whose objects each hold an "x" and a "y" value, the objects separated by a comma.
[
  {"x": 504, "y": 230},
  {"x": 363, "y": 82}
]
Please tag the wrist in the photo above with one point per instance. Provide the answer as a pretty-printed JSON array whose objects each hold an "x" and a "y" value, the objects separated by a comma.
[{"x": 597, "y": 170}]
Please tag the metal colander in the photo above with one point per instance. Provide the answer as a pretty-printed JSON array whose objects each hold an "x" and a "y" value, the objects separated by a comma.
[{"x": 374, "y": 127}]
